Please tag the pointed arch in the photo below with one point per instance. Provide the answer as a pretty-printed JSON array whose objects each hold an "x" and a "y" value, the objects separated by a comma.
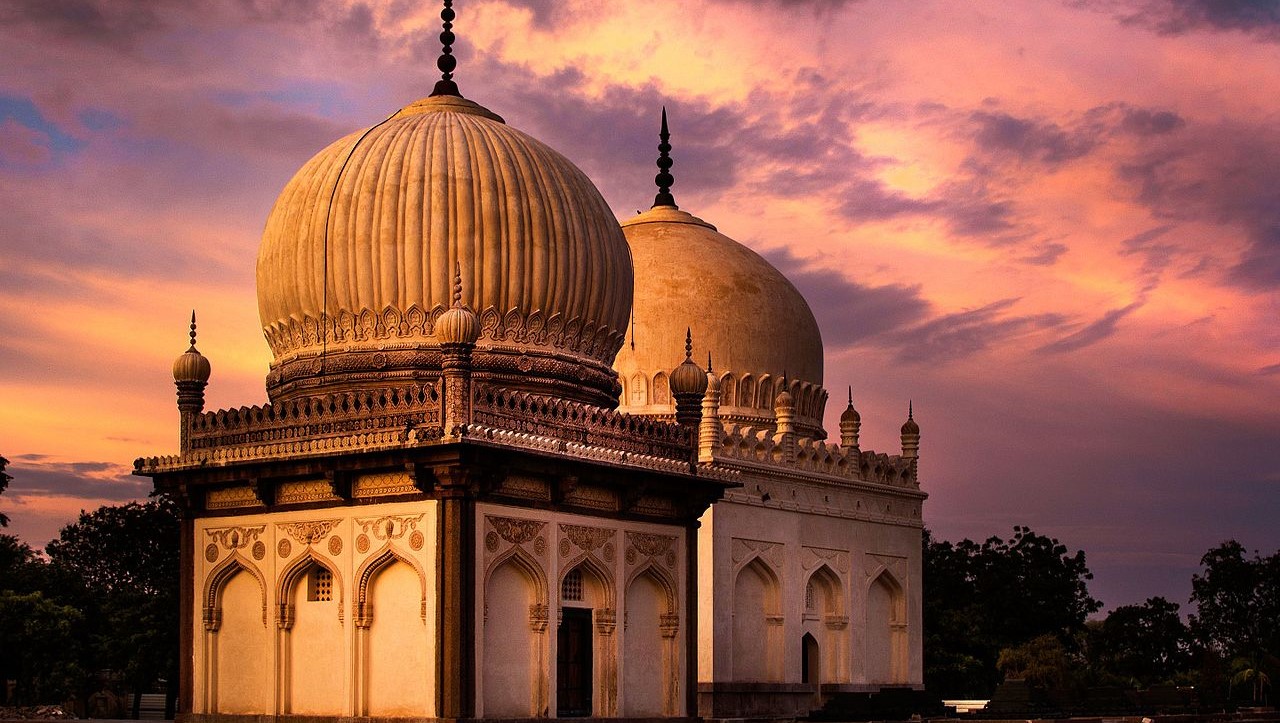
[
  {"x": 599, "y": 570},
  {"x": 826, "y": 580},
  {"x": 747, "y": 391},
  {"x": 666, "y": 582},
  {"x": 639, "y": 391},
  {"x": 376, "y": 562},
  {"x": 519, "y": 558},
  {"x": 297, "y": 569},
  {"x": 514, "y": 681},
  {"x": 886, "y": 629},
  {"x": 216, "y": 582},
  {"x": 757, "y": 622},
  {"x": 728, "y": 389},
  {"x": 661, "y": 389}
]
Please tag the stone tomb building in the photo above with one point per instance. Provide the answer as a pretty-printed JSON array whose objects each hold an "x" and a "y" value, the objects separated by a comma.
[{"x": 483, "y": 485}]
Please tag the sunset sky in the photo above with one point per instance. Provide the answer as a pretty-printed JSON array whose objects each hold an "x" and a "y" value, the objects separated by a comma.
[{"x": 1054, "y": 225}]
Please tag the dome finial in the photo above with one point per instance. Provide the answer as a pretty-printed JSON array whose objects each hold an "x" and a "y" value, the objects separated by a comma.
[
  {"x": 446, "y": 62},
  {"x": 709, "y": 361},
  {"x": 193, "y": 330},
  {"x": 688, "y": 343},
  {"x": 910, "y": 410},
  {"x": 664, "y": 179},
  {"x": 457, "y": 285}
]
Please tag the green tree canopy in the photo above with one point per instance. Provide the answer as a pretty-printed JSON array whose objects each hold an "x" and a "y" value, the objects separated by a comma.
[{"x": 1142, "y": 644}]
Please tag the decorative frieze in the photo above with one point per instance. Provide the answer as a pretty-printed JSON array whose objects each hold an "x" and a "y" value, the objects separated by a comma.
[
  {"x": 382, "y": 485},
  {"x": 310, "y": 532},
  {"x": 289, "y": 493},
  {"x": 235, "y": 538},
  {"x": 389, "y": 527},
  {"x": 231, "y": 498}
]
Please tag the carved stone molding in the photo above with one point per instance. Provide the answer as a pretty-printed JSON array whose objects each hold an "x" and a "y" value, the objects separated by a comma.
[
  {"x": 815, "y": 556},
  {"x": 310, "y": 532},
  {"x": 588, "y": 539},
  {"x": 235, "y": 538},
  {"x": 515, "y": 531},
  {"x": 743, "y": 549},
  {"x": 389, "y": 527}
]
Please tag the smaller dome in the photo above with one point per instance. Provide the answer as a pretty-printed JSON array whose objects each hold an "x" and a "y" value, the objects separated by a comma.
[
  {"x": 910, "y": 426},
  {"x": 784, "y": 398},
  {"x": 688, "y": 379},
  {"x": 191, "y": 365}
]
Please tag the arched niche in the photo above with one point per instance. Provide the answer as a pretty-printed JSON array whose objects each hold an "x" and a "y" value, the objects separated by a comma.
[
  {"x": 514, "y": 629},
  {"x": 886, "y": 630},
  {"x": 757, "y": 623},
  {"x": 827, "y": 621},
  {"x": 651, "y": 657},
  {"x": 395, "y": 640},
  {"x": 310, "y": 599},
  {"x": 237, "y": 644}
]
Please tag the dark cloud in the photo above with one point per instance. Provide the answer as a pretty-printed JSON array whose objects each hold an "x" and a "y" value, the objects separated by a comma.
[
  {"x": 1046, "y": 253},
  {"x": 998, "y": 133},
  {"x": 849, "y": 312},
  {"x": 1148, "y": 122},
  {"x": 961, "y": 334},
  {"x": 1270, "y": 369},
  {"x": 1226, "y": 173},
  {"x": 1177, "y": 17},
  {"x": 33, "y": 476},
  {"x": 1092, "y": 333}
]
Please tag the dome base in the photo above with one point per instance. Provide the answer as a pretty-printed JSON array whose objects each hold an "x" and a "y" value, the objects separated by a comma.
[{"x": 544, "y": 372}]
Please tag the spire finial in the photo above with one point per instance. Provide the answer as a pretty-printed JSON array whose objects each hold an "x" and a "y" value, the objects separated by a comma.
[
  {"x": 664, "y": 179},
  {"x": 708, "y": 361},
  {"x": 851, "y": 395},
  {"x": 446, "y": 62},
  {"x": 688, "y": 343},
  {"x": 457, "y": 285},
  {"x": 910, "y": 411},
  {"x": 193, "y": 329}
]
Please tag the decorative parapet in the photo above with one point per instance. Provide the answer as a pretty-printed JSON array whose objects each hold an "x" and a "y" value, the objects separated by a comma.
[
  {"x": 581, "y": 426},
  {"x": 761, "y": 446},
  {"x": 410, "y": 416}
]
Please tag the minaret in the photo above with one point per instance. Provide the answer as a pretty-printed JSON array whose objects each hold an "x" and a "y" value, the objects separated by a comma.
[
  {"x": 784, "y": 409},
  {"x": 190, "y": 375},
  {"x": 446, "y": 62},
  {"x": 911, "y": 439},
  {"x": 664, "y": 179},
  {"x": 457, "y": 329},
  {"x": 710, "y": 433},
  {"x": 850, "y": 424},
  {"x": 688, "y": 385}
]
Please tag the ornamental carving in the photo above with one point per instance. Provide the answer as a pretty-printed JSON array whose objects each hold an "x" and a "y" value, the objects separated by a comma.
[
  {"x": 259, "y": 550},
  {"x": 389, "y": 527},
  {"x": 649, "y": 545},
  {"x": 743, "y": 549},
  {"x": 211, "y": 552},
  {"x": 586, "y": 538},
  {"x": 416, "y": 540},
  {"x": 235, "y": 538},
  {"x": 539, "y": 615},
  {"x": 335, "y": 545},
  {"x": 308, "y": 533},
  {"x": 516, "y": 531},
  {"x": 362, "y": 544}
]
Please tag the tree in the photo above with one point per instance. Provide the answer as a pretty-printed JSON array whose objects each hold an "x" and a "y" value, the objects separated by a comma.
[
  {"x": 1141, "y": 644},
  {"x": 41, "y": 640},
  {"x": 980, "y": 599},
  {"x": 1042, "y": 661},
  {"x": 5, "y": 478},
  {"x": 125, "y": 559},
  {"x": 1237, "y": 602}
]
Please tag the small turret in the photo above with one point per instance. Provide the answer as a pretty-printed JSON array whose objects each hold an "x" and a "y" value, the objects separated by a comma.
[
  {"x": 784, "y": 409},
  {"x": 850, "y": 425},
  {"x": 710, "y": 432},
  {"x": 688, "y": 385},
  {"x": 457, "y": 329},
  {"x": 191, "y": 372},
  {"x": 911, "y": 438}
]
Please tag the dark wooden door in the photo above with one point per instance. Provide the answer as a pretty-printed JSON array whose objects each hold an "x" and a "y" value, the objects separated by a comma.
[{"x": 573, "y": 664}]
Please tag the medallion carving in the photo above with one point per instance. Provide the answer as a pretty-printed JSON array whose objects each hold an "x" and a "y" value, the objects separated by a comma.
[{"x": 335, "y": 545}]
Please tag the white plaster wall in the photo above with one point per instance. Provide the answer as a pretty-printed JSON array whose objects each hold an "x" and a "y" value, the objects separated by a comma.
[
  {"x": 255, "y": 666},
  {"x": 859, "y": 532},
  {"x": 546, "y": 552},
  {"x": 508, "y": 644},
  {"x": 643, "y": 682}
]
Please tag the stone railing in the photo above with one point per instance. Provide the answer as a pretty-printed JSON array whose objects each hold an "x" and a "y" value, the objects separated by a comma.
[
  {"x": 764, "y": 447},
  {"x": 580, "y": 424}
]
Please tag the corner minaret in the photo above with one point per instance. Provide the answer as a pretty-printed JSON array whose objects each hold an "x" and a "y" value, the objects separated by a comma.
[
  {"x": 446, "y": 62},
  {"x": 850, "y": 425},
  {"x": 784, "y": 409},
  {"x": 911, "y": 439},
  {"x": 190, "y": 375},
  {"x": 710, "y": 432},
  {"x": 664, "y": 179}
]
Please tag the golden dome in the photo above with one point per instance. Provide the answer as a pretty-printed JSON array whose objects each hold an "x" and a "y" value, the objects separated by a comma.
[
  {"x": 363, "y": 243},
  {"x": 191, "y": 365},
  {"x": 742, "y": 309}
]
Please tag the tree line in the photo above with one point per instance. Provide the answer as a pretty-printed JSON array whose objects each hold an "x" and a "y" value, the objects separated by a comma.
[{"x": 1019, "y": 608}]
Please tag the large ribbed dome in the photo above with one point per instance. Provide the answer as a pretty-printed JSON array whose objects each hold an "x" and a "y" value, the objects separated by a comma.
[
  {"x": 364, "y": 240},
  {"x": 754, "y": 322}
]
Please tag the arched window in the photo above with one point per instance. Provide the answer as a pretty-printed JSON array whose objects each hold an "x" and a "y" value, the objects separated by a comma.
[
  {"x": 319, "y": 585},
  {"x": 571, "y": 587}
]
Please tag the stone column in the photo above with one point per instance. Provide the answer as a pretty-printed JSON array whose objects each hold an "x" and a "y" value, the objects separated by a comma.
[
  {"x": 710, "y": 432},
  {"x": 784, "y": 409},
  {"x": 455, "y": 590}
]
